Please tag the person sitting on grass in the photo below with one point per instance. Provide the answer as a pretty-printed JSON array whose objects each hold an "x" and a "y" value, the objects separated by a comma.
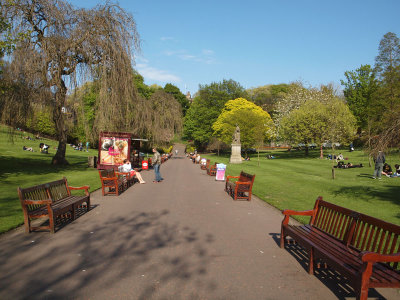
[
  {"x": 27, "y": 148},
  {"x": 396, "y": 171},
  {"x": 127, "y": 168},
  {"x": 387, "y": 170}
]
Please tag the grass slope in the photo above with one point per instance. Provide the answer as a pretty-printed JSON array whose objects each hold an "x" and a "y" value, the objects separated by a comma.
[
  {"x": 292, "y": 181},
  {"x": 19, "y": 168}
]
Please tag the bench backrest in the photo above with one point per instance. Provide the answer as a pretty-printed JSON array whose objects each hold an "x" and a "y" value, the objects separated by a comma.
[
  {"x": 357, "y": 230},
  {"x": 54, "y": 191},
  {"x": 107, "y": 173},
  {"x": 245, "y": 177}
]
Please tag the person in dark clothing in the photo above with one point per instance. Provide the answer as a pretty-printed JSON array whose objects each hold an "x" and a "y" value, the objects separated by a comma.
[
  {"x": 379, "y": 161},
  {"x": 387, "y": 170}
]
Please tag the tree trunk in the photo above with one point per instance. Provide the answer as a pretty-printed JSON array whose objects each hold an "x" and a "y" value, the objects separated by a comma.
[
  {"x": 58, "y": 117},
  {"x": 321, "y": 152},
  {"x": 306, "y": 150}
]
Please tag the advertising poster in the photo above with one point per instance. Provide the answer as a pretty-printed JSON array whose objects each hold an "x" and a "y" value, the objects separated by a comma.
[
  {"x": 113, "y": 150},
  {"x": 220, "y": 172}
]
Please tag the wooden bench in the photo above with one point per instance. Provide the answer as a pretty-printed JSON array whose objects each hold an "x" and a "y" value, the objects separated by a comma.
[
  {"x": 364, "y": 249},
  {"x": 212, "y": 169},
  {"x": 241, "y": 188},
  {"x": 129, "y": 179},
  {"x": 52, "y": 200},
  {"x": 111, "y": 182},
  {"x": 205, "y": 167}
]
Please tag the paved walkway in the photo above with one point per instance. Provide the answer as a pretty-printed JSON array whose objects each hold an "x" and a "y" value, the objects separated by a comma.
[{"x": 183, "y": 238}]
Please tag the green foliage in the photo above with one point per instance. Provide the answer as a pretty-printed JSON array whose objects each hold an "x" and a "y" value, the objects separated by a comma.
[
  {"x": 206, "y": 108},
  {"x": 44, "y": 123},
  {"x": 389, "y": 54},
  {"x": 144, "y": 90},
  {"x": 267, "y": 96},
  {"x": 181, "y": 98},
  {"x": 359, "y": 89},
  {"x": 255, "y": 124},
  {"x": 317, "y": 122}
]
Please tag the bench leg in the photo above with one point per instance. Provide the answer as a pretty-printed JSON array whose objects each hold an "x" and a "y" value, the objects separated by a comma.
[
  {"x": 311, "y": 262},
  {"x": 283, "y": 238},
  {"x": 362, "y": 289}
]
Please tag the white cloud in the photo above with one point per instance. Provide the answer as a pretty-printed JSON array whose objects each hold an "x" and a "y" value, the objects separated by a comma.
[
  {"x": 206, "y": 56},
  {"x": 167, "y": 38},
  {"x": 150, "y": 73}
]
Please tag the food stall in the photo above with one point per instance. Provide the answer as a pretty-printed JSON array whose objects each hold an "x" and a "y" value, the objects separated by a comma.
[{"x": 115, "y": 147}]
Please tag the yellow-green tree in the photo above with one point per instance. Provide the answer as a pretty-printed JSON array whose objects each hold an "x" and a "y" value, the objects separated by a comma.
[{"x": 255, "y": 124}]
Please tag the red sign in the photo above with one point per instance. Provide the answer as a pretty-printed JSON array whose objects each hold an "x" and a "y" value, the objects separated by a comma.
[{"x": 145, "y": 164}]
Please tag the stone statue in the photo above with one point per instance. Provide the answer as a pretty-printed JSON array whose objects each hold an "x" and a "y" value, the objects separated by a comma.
[{"x": 236, "y": 136}]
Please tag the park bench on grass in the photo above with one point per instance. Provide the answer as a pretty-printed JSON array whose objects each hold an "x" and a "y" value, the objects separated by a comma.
[
  {"x": 364, "y": 249},
  {"x": 112, "y": 182},
  {"x": 205, "y": 167},
  {"x": 52, "y": 200},
  {"x": 239, "y": 187}
]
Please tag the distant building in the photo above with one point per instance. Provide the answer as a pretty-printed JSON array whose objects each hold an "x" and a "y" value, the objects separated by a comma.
[{"x": 189, "y": 97}]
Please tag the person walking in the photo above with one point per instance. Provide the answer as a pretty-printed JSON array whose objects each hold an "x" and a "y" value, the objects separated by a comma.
[
  {"x": 156, "y": 162},
  {"x": 379, "y": 161}
]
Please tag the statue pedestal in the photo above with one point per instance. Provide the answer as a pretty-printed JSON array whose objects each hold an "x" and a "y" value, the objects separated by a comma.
[{"x": 236, "y": 155}]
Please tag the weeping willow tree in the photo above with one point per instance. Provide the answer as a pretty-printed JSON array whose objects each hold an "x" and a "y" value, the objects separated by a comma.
[
  {"x": 65, "y": 47},
  {"x": 162, "y": 116}
]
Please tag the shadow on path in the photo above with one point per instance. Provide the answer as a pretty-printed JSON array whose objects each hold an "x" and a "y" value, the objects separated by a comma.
[
  {"x": 87, "y": 259},
  {"x": 332, "y": 279}
]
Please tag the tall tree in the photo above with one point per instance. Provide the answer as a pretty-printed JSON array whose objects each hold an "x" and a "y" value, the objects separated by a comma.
[
  {"x": 318, "y": 122},
  {"x": 387, "y": 67},
  {"x": 255, "y": 124},
  {"x": 166, "y": 119},
  {"x": 178, "y": 95},
  {"x": 359, "y": 89},
  {"x": 268, "y": 96},
  {"x": 207, "y": 106},
  {"x": 67, "y": 45}
]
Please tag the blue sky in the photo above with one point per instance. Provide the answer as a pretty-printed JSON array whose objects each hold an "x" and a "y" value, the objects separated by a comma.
[{"x": 256, "y": 42}]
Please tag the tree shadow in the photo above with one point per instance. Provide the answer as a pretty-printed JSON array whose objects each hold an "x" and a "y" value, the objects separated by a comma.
[
  {"x": 332, "y": 279},
  {"x": 34, "y": 166},
  {"x": 64, "y": 264},
  {"x": 366, "y": 193}
]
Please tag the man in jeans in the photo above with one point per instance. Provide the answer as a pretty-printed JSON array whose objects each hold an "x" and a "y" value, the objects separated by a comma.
[
  {"x": 156, "y": 165},
  {"x": 379, "y": 161}
]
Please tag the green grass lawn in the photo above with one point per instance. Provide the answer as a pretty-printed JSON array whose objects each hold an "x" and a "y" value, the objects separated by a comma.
[
  {"x": 289, "y": 181},
  {"x": 19, "y": 168},
  {"x": 292, "y": 181}
]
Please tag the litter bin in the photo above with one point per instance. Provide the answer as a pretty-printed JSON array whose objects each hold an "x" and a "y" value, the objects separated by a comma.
[
  {"x": 145, "y": 165},
  {"x": 220, "y": 172},
  {"x": 92, "y": 161}
]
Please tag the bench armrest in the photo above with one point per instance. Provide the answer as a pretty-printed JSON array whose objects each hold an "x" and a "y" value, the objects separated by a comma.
[
  {"x": 367, "y": 256},
  {"x": 289, "y": 212},
  {"x": 228, "y": 177},
  {"x": 86, "y": 188}
]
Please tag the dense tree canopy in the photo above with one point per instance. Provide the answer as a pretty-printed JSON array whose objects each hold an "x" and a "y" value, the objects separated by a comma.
[
  {"x": 268, "y": 96},
  {"x": 178, "y": 95},
  {"x": 255, "y": 124},
  {"x": 359, "y": 89},
  {"x": 206, "y": 107},
  {"x": 318, "y": 122}
]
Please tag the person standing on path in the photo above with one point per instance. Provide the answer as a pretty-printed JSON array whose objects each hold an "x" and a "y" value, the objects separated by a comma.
[
  {"x": 379, "y": 161},
  {"x": 156, "y": 162}
]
